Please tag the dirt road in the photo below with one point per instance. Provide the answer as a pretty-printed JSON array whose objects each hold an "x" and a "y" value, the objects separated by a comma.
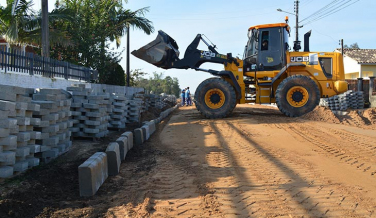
[{"x": 256, "y": 163}]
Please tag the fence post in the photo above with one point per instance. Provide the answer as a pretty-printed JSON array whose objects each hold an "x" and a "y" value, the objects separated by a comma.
[
  {"x": 31, "y": 70},
  {"x": 66, "y": 67},
  {"x": 360, "y": 84}
]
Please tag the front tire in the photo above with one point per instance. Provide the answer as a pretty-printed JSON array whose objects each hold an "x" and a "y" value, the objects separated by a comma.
[
  {"x": 297, "y": 95},
  {"x": 215, "y": 98}
]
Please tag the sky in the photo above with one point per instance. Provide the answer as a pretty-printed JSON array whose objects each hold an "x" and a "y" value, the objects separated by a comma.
[{"x": 226, "y": 24}]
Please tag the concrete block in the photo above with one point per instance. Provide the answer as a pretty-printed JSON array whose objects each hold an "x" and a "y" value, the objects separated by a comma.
[
  {"x": 21, "y": 106},
  {"x": 92, "y": 174},
  {"x": 129, "y": 136},
  {"x": 34, "y": 148},
  {"x": 8, "y": 157},
  {"x": 33, "y": 162},
  {"x": 6, "y": 172},
  {"x": 4, "y": 132},
  {"x": 21, "y": 166},
  {"x": 22, "y": 98},
  {"x": 7, "y": 105},
  {"x": 35, "y": 135},
  {"x": 8, "y": 97},
  {"x": 123, "y": 146},
  {"x": 138, "y": 136},
  {"x": 53, "y": 153},
  {"x": 113, "y": 158},
  {"x": 8, "y": 123},
  {"x": 23, "y": 136},
  {"x": 91, "y": 106},
  {"x": 22, "y": 152},
  {"x": 93, "y": 131},
  {"x": 145, "y": 131},
  {"x": 9, "y": 142},
  {"x": 4, "y": 115}
]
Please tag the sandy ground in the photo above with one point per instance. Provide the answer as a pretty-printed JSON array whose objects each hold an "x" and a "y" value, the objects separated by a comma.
[{"x": 256, "y": 163}]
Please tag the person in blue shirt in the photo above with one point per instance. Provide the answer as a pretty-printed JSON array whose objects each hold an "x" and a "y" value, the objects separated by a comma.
[
  {"x": 188, "y": 97},
  {"x": 182, "y": 97}
]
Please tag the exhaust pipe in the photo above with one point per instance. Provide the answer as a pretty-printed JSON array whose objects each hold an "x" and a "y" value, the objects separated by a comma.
[
  {"x": 161, "y": 52},
  {"x": 306, "y": 41}
]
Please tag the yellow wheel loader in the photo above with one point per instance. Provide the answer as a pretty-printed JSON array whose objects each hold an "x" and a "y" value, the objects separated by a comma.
[{"x": 268, "y": 73}]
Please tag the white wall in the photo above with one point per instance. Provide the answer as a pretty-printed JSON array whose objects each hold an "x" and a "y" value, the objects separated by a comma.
[
  {"x": 350, "y": 65},
  {"x": 28, "y": 81}
]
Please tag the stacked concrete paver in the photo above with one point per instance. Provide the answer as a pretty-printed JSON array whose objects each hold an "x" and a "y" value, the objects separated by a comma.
[
  {"x": 55, "y": 121},
  {"x": 118, "y": 116},
  {"x": 342, "y": 102},
  {"x": 17, "y": 136},
  {"x": 90, "y": 112}
]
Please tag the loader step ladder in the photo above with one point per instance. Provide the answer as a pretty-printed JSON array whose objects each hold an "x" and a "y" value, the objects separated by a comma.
[{"x": 265, "y": 89}]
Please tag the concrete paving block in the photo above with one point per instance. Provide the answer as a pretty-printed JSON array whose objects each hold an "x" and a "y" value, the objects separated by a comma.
[
  {"x": 24, "y": 121},
  {"x": 123, "y": 146},
  {"x": 94, "y": 114},
  {"x": 8, "y": 97},
  {"x": 92, "y": 174},
  {"x": 6, "y": 172},
  {"x": 22, "y": 152},
  {"x": 4, "y": 115},
  {"x": 21, "y": 166},
  {"x": 129, "y": 135},
  {"x": 52, "y": 153},
  {"x": 91, "y": 106},
  {"x": 35, "y": 135},
  {"x": 33, "y": 161},
  {"x": 9, "y": 142},
  {"x": 46, "y": 91},
  {"x": 44, "y": 97},
  {"x": 22, "y": 98},
  {"x": 138, "y": 136},
  {"x": 23, "y": 136},
  {"x": 34, "y": 148},
  {"x": 89, "y": 130},
  {"x": 145, "y": 132},
  {"x": 21, "y": 106},
  {"x": 152, "y": 126},
  {"x": 113, "y": 158},
  {"x": 8, "y": 123},
  {"x": 92, "y": 123},
  {"x": 51, "y": 141},
  {"x": 4, "y": 132},
  {"x": 7, "y": 105},
  {"x": 45, "y": 104},
  {"x": 8, "y": 157}
]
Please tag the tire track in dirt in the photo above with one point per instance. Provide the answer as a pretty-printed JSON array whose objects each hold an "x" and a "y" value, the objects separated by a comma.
[
  {"x": 293, "y": 186},
  {"x": 357, "y": 151}
]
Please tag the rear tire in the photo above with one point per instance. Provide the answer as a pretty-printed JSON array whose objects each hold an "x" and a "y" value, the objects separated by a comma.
[
  {"x": 215, "y": 98},
  {"x": 297, "y": 95}
]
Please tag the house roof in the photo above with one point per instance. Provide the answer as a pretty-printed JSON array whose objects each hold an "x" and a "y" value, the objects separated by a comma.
[{"x": 362, "y": 56}]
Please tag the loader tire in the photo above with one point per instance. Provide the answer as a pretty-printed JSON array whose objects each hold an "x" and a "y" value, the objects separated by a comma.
[
  {"x": 215, "y": 98},
  {"x": 297, "y": 95}
]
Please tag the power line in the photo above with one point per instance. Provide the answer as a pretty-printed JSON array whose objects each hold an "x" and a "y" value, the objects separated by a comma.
[
  {"x": 324, "y": 9},
  {"x": 331, "y": 12}
]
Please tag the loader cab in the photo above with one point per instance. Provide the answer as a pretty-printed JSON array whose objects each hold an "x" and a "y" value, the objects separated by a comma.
[{"x": 266, "y": 47}]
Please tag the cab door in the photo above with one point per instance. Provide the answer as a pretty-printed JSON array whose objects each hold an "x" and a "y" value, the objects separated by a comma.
[{"x": 271, "y": 55}]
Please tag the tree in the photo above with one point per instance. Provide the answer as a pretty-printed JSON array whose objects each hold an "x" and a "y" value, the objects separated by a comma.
[
  {"x": 352, "y": 46},
  {"x": 157, "y": 83},
  {"x": 93, "y": 25},
  {"x": 20, "y": 24}
]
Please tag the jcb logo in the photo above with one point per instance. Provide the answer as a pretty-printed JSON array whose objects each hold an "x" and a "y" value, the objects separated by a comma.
[
  {"x": 207, "y": 54},
  {"x": 299, "y": 59}
]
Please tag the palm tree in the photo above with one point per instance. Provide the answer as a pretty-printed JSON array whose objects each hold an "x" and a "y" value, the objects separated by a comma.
[{"x": 17, "y": 21}]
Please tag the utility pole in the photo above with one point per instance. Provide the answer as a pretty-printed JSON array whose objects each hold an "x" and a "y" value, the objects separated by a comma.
[
  {"x": 297, "y": 42},
  {"x": 342, "y": 47},
  {"x": 45, "y": 30},
  {"x": 128, "y": 73}
]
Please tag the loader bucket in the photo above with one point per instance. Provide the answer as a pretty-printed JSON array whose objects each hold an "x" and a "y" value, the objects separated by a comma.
[{"x": 161, "y": 52}]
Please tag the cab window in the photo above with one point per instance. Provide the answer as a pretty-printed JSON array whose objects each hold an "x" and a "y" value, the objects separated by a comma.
[
  {"x": 326, "y": 66},
  {"x": 264, "y": 40}
]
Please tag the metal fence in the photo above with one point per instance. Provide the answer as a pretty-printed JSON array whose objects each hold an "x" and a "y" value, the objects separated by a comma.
[{"x": 15, "y": 60}]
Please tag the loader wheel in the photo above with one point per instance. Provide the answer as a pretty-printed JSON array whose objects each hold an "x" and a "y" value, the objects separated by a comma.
[
  {"x": 215, "y": 98},
  {"x": 297, "y": 95}
]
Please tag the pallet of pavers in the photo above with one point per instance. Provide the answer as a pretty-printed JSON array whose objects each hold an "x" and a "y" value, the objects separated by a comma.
[
  {"x": 118, "y": 116},
  {"x": 55, "y": 122},
  {"x": 134, "y": 111},
  {"x": 89, "y": 112},
  {"x": 17, "y": 135}
]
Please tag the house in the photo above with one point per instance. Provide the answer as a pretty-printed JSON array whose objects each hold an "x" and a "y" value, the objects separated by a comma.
[
  {"x": 23, "y": 47},
  {"x": 359, "y": 63}
]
